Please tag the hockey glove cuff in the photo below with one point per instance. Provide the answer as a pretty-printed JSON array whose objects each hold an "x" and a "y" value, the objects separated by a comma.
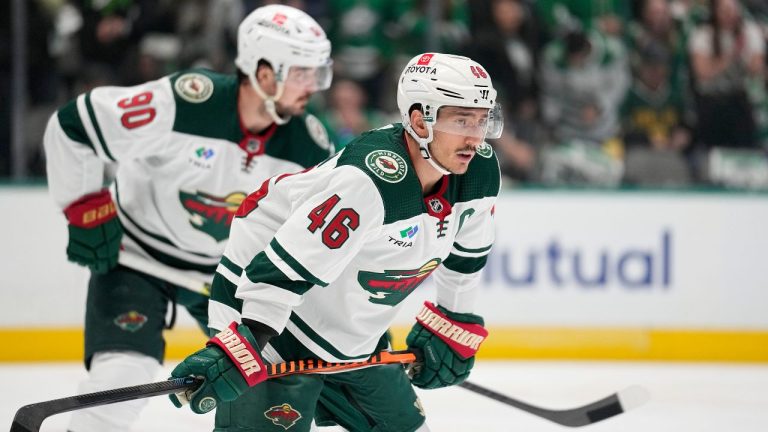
[
  {"x": 94, "y": 232},
  {"x": 448, "y": 341},
  {"x": 230, "y": 364}
]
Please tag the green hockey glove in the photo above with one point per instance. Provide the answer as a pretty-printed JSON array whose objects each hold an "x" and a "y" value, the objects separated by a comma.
[
  {"x": 230, "y": 364},
  {"x": 94, "y": 232},
  {"x": 448, "y": 342}
]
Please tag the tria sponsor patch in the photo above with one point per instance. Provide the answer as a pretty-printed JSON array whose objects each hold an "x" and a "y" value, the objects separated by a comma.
[
  {"x": 283, "y": 415},
  {"x": 409, "y": 232}
]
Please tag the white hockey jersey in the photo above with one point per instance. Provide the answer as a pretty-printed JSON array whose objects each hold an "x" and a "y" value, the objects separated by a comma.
[
  {"x": 184, "y": 161},
  {"x": 330, "y": 253}
]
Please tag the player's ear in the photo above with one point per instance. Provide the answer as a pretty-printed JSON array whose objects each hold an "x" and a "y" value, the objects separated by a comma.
[
  {"x": 417, "y": 123},
  {"x": 265, "y": 76}
]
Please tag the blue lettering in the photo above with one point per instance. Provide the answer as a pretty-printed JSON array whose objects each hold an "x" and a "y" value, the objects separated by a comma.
[
  {"x": 506, "y": 270},
  {"x": 554, "y": 253},
  {"x": 645, "y": 260},
  {"x": 558, "y": 266},
  {"x": 666, "y": 254},
  {"x": 596, "y": 281}
]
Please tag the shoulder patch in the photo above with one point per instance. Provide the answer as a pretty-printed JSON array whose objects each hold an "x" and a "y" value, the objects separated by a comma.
[
  {"x": 317, "y": 132},
  {"x": 485, "y": 150},
  {"x": 194, "y": 87},
  {"x": 387, "y": 165}
]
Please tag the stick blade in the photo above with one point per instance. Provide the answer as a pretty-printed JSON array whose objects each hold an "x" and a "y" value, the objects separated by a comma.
[
  {"x": 26, "y": 420},
  {"x": 633, "y": 397}
]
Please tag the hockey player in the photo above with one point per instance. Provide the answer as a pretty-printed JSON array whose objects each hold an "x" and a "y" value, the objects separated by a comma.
[
  {"x": 319, "y": 262},
  {"x": 187, "y": 149}
]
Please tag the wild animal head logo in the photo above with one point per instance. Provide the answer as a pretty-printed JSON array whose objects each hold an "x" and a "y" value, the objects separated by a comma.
[
  {"x": 211, "y": 214},
  {"x": 393, "y": 286},
  {"x": 283, "y": 415},
  {"x": 131, "y": 321}
]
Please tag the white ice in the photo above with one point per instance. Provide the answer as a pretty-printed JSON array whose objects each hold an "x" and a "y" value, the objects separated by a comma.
[{"x": 685, "y": 397}]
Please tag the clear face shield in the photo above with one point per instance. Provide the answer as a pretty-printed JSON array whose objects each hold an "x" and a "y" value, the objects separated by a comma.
[
  {"x": 317, "y": 78},
  {"x": 477, "y": 123}
]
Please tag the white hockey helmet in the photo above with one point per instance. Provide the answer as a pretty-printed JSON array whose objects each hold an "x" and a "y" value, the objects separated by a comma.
[
  {"x": 435, "y": 80},
  {"x": 292, "y": 42}
]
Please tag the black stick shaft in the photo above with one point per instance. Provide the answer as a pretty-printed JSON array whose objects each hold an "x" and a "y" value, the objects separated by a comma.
[
  {"x": 594, "y": 412},
  {"x": 30, "y": 417}
]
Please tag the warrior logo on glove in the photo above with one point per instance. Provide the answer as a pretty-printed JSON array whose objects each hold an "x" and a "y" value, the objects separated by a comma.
[{"x": 241, "y": 353}]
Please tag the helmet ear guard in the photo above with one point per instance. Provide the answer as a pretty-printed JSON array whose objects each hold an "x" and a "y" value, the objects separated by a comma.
[
  {"x": 434, "y": 81},
  {"x": 292, "y": 42}
]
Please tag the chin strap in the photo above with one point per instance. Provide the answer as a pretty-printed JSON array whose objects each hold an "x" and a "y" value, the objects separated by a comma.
[
  {"x": 424, "y": 148},
  {"x": 270, "y": 101}
]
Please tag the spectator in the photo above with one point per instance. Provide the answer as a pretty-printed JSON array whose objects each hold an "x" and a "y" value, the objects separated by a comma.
[
  {"x": 563, "y": 16},
  {"x": 415, "y": 24},
  {"x": 207, "y": 30},
  {"x": 348, "y": 113},
  {"x": 585, "y": 78},
  {"x": 506, "y": 41},
  {"x": 111, "y": 31},
  {"x": 653, "y": 122},
  {"x": 361, "y": 33},
  {"x": 507, "y": 45},
  {"x": 657, "y": 26},
  {"x": 728, "y": 54}
]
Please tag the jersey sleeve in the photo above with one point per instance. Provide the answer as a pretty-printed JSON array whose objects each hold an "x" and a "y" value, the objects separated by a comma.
[
  {"x": 459, "y": 276},
  {"x": 105, "y": 125},
  {"x": 325, "y": 230}
]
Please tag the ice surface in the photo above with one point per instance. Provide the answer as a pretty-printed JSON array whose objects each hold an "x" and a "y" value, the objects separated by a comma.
[{"x": 691, "y": 397}]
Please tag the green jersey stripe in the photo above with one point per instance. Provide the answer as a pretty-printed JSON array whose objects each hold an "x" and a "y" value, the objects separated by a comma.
[
  {"x": 294, "y": 264},
  {"x": 234, "y": 268},
  {"x": 95, "y": 123},
  {"x": 470, "y": 250},
  {"x": 170, "y": 260},
  {"x": 156, "y": 237},
  {"x": 465, "y": 265},
  {"x": 261, "y": 269},
  {"x": 316, "y": 338},
  {"x": 72, "y": 125},
  {"x": 223, "y": 291}
]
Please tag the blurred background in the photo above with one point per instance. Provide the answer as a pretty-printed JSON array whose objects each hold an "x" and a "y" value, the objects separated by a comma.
[
  {"x": 632, "y": 220},
  {"x": 598, "y": 93}
]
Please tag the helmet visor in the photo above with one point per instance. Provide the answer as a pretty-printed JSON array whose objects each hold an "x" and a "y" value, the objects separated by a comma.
[
  {"x": 470, "y": 122},
  {"x": 318, "y": 77}
]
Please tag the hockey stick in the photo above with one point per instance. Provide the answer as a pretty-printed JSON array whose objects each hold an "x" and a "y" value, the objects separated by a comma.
[
  {"x": 168, "y": 274},
  {"x": 607, "y": 407},
  {"x": 29, "y": 418}
]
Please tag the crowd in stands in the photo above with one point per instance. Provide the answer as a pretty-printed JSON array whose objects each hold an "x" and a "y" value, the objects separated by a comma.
[{"x": 652, "y": 93}]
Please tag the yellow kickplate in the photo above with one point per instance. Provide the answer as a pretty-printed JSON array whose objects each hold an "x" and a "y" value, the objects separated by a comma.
[{"x": 66, "y": 344}]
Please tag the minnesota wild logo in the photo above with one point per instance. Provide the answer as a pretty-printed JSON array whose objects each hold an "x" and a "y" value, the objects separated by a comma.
[
  {"x": 283, "y": 415},
  {"x": 387, "y": 165},
  {"x": 131, "y": 321},
  {"x": 194, "y": 87},
  {"x": 211, "y": 214},
  {"x": 393, "y": 286}
]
